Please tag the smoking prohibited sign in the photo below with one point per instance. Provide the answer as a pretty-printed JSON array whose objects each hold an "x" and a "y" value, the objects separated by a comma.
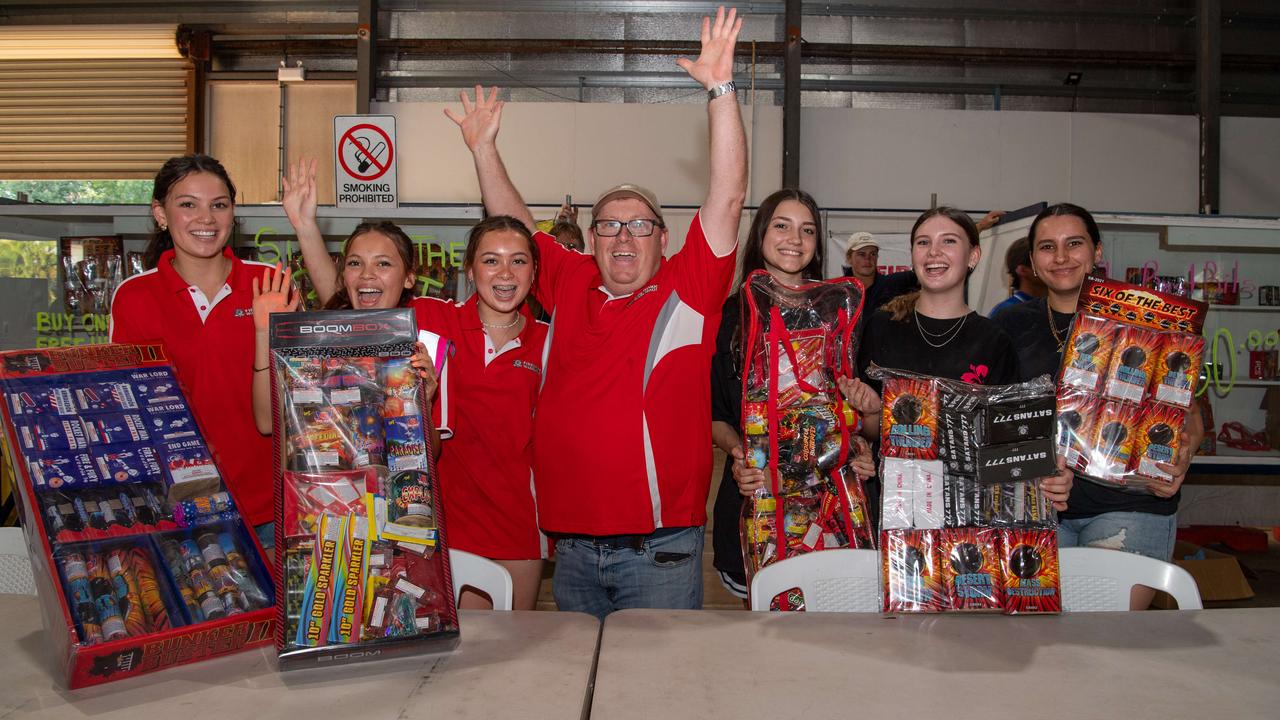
[{"x": 365, "y": 163}]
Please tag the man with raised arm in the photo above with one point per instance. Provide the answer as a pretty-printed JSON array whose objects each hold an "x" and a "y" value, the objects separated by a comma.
[{"x": 622, "y": 434}]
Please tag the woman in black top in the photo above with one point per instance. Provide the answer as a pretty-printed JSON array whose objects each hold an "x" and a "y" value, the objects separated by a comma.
[
  {"x": 933, "y": 331},
  {"x": 785, "y": 239},
  {"x": 1065, "y": 246}
]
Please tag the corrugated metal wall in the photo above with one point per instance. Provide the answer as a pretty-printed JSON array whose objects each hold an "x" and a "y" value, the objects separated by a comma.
[{"x": 92, "y": 118}]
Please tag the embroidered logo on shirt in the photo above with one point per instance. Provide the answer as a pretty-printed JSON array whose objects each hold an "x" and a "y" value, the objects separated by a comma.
[
  {"x": 977, "y": 375},
  {"x": 244, "y": 312},
  {"x": 642, "y": 293},
  {"x": 527, "y": 366}
]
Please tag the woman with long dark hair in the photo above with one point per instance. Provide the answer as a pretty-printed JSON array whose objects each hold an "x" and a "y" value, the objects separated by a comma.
[
  {"x": 196, "y": 297},
  {"x": 1065, "y": 247},
  {"x": 786, "y": 240}
]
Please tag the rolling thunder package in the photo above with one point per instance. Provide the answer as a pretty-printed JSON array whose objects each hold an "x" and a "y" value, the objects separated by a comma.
[
  {"x": 796, "y": 426},
  {"x": 140, "y": 556},
  {"x": 360, "y": 540},
  {"x": 964, "y": 525},
  {"x": 1130, "y": 369}
]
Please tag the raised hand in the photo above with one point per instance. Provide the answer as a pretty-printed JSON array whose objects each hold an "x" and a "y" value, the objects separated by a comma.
[
  {"x": 300, "y": 196},
  {"x": 275, "y": 294},
  {"x": 480, "y": 119},
  {"x": 714, "y": 65}
]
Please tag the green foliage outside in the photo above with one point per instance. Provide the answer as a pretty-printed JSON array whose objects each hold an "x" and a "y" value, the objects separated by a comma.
[
  {"x": 79, "y": 192},
  {"x": 30, "y": 259}
]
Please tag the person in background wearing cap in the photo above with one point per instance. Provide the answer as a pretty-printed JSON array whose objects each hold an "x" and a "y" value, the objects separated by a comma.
[
  {"x": 622, "y": 436},
  {"x": 1022, "y": 278},
  {"x": 861, "y": 258}
]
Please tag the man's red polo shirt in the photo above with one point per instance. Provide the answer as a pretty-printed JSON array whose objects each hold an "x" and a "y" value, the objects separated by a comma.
[{"x": 622, "y": 433}]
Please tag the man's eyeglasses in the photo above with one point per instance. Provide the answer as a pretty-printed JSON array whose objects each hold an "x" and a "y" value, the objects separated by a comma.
[{"x": 640, "y": 227}]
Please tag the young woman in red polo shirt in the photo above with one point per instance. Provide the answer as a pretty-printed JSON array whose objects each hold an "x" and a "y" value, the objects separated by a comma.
[
  {"x": 486, "y": 400},
  {"x": 196, "y": 299}
]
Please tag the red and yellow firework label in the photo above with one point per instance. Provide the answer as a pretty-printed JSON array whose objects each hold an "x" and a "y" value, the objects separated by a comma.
[
  {"x": 909, "y": 419},
  {"x": 1029, "y": 561},
  {"x": 1113, "y": 434},
  {"x": 1158, "y": 440},
  {"x": 970, "y": 564},
  {"x": 1133, "y": 363},
  {"x": 1137, "y": 305},
  {"x": 911, "y": 572},
  {"x": 1087, "y": 352},
  {"x": 1177, "y": 370}
]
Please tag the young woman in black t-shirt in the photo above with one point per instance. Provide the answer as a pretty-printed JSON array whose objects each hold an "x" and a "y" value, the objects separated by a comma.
[
  {"x": 933, "y": 332},
  {"x": 786, "y": 239},
  {"x": 1065, "y": 246}
]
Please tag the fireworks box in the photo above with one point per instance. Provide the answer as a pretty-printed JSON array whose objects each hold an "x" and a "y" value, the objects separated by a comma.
[
  {"x": 361, "y": 550},
  {"x": 1130, "y": 371},
  {"x": 965, "y": 525},
  {"x": 141, "y": 561}
]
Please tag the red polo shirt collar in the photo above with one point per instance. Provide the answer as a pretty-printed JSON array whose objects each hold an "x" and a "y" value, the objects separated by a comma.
[{"x": 174, "y": 282}]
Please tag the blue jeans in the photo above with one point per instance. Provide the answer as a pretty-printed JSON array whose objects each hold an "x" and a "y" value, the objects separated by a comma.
[
  {"x": 1135, "y": 532},
  {"x": 596, "y": 579}
]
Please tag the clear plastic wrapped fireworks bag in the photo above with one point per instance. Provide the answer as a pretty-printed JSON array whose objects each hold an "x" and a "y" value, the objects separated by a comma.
[
  {"x": 1130, "y": 370},
  {"x": 796, "y": 427},
  {"x": 360, "y": 541}
]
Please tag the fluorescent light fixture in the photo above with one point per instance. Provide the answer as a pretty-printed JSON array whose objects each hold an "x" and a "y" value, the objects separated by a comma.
[
  {"x": 291, "y": 74},
  {"x": 88, "y": 42}
]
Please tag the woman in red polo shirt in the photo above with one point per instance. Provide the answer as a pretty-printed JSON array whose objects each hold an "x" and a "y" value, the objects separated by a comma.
[
  {"x": 196, "y": 298},
  {"x": 486, "y": 397}
]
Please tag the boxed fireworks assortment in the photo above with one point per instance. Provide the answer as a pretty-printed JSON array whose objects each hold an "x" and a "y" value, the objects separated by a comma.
[
  {"x": 1130, "y": 370},
  {"x": 360, "y": 540},
  {"x": 960, "y": 468},
  {"x": 796, "y": 427},
  {"x": 139, "y": 554}
]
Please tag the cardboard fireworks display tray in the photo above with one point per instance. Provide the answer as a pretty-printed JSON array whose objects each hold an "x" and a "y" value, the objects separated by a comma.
[
  {"x": 141, "y": 561},
  {"x": 796, "y": 427},
  {"x": 1130, "y": 371},
  {"x": 965, "y": 526},
  {"x": 361, "y": 550}
]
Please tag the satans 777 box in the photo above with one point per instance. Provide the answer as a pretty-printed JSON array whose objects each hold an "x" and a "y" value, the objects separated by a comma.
[{"x": 141, "y": 560}]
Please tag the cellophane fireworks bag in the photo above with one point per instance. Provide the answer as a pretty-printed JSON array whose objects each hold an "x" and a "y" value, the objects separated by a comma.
[
  {"x": 140, "y": 557},
  {"x": 796, "y": 426},
  {"x": 1131, "y": 367},
  {"x": 361, "y": 548}
]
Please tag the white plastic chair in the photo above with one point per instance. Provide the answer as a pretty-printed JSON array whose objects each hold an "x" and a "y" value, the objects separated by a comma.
[
  {"x": 831, "y": 580},
  {"x": 483, "y": 574},
  {"x": 15, "y": 566},
  {"x": 1099, "y": 580}
]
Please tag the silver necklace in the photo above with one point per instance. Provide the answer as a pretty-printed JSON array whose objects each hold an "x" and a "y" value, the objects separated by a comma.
[
  {"x": 514, "y": 320},
  {"x": 950, "y": 333}
]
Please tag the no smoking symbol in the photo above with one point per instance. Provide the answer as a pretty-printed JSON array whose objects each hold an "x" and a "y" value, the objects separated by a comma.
[{"x": 365, "y": 152}]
